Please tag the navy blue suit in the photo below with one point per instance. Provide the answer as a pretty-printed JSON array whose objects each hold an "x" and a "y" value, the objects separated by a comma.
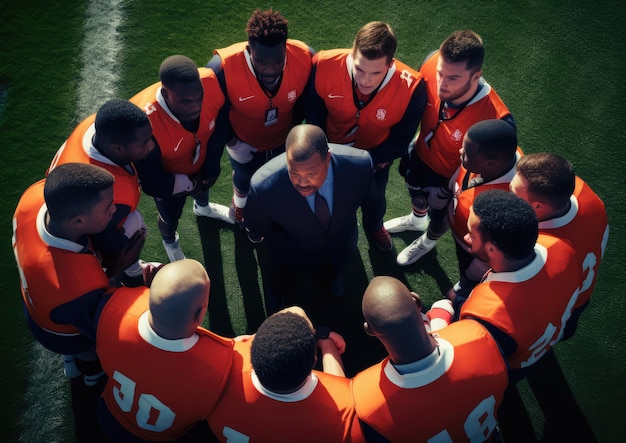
[{"x": 294, "y": 236}]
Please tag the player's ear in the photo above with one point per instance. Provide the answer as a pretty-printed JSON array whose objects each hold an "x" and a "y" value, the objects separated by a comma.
[
  {"x": 492, "y": 250},
  {"x": 368, "y": 330},
  {"x": 417, "y": 299},
  {"x": 476, "y": 75},
  {"x": 198, "y": 317},
  {"x": 78, "y": 221},
  {"x": 118, "y": 148}
]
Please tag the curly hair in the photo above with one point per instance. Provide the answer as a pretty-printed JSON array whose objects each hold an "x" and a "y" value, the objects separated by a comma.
[
  {"x": 507, "y": 221},
  {"x": 283, "y": 352},
  {"x": 268, "y": 28}
]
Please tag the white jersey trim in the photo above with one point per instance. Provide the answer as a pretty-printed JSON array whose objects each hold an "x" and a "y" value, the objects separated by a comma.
[
  {"x": 438, "y": 364},
  {"x": 51, "y": 240},
  {"x": 147, "y": 333},
  {"x": 301, "y": 394},
  {"x": 526, "y": 273},
  {"x": 161, "y": 101},
  {"x": 559, "y": 222},
  {"x": 91, "y": 150}
]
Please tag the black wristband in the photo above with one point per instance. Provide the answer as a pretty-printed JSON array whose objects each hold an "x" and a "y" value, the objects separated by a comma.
[{"x": 322, "y": 332}]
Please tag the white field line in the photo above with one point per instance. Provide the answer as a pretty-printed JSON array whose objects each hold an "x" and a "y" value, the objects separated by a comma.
[{"x": 46, "y": 396}]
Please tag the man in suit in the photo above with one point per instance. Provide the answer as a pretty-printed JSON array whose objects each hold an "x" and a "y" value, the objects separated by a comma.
[{"x": 285, "y": 205}]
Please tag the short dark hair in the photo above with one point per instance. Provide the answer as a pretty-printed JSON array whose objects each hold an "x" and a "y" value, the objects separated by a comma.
[
  {"x": 268, "y": 28},
  {"x": 304, "y": 140},
  {"x": 117, "y": 119},
  {"x": 283, "y": 352},
  {"x": 178, "y": 69},
  {"x": 376, "y": 40},
  {"x": 72, "y": 189},
  {"x": 507, "y": 221},
  {"x": 495, "y": 138},
  {"x": 464, "y": 46},
  {"x": 550, "y": 177}
]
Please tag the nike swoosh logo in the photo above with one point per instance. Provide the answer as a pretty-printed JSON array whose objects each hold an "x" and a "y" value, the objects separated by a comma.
[
  {"x": 334, "y": 96},
  {"x": 178, "y": 145},
  {"x": 243, "y": 99}
]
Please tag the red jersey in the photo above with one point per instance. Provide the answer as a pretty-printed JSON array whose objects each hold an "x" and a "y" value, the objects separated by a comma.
[
  {"x": 251, "y": 105},
  {"x": 320, "y": 411},
  {"x": 439, "y": 141},
  {"x": 454, "y": 398},
  {"x": 333, "y": 83},
  {"x": 464, "y": 193},
  {"x": 182, "y": 151},
  {"x": 53, "y": 271},
  {"x": 78, "y": 148},
  {"x": 586, "y": 227},
  {"x": 157, "y": 389},
  {"x": 530, "y": 305}
]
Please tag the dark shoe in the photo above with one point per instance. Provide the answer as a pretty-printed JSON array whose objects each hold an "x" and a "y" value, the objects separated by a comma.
[{"x": 382, "y": 238}]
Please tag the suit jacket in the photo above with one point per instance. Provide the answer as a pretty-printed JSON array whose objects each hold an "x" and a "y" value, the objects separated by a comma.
[{"x": 277, "y": 211}]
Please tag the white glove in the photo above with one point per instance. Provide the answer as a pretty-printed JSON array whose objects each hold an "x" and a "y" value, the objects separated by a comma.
[
  {"x": 133, "y": 223},
  {"x": 241, "y": 152},
  {"x": 440, "y": 314}
]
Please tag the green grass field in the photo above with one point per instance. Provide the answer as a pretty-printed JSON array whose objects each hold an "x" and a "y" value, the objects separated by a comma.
[{"x": 558, "y": 65}]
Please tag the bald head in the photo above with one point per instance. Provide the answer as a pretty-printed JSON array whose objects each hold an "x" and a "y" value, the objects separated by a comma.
[
  {"x": 393, "y": 315},
  {"x": 305, "y": 140},
  {"x": 388, "y": 304},
  {"x": 179, "y": 296}
]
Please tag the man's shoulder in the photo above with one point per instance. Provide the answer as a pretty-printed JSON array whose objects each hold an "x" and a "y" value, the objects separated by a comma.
[
  {"x": 337, "y": 55},
  {"x": 349, "y": 154},
  {"x": 271, "y": 171},
  {"x": 298, "y": 44}
]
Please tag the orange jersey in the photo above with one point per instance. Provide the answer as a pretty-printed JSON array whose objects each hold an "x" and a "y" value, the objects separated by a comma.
[
  {"x": 182, "y": 151},
  {"x": 320, "y": 411},
  {"x": 455, "y": 398},
  {"x": 586, "y": 227},
  {"x": 249, "y": 103},
  {"x": 333, "y": 83},
  {"x": 78, "y": 148},
  {"x": 439, "y": 141},
  {"x": 464, "y": 195},
  {"x": 530, "y": 305},
  {"x": 53, "y": 271},
  {"x": 157, "y": 389}
]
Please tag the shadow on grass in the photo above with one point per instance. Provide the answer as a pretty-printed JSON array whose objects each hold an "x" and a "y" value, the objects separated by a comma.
[
  {"x": 563, "y": 418},
  {"x": 219, "y": 317},
  {"x": 342, "y": 314},
  {"x": 246, "y": 268},
  {"x": 248, "y": 274}
]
